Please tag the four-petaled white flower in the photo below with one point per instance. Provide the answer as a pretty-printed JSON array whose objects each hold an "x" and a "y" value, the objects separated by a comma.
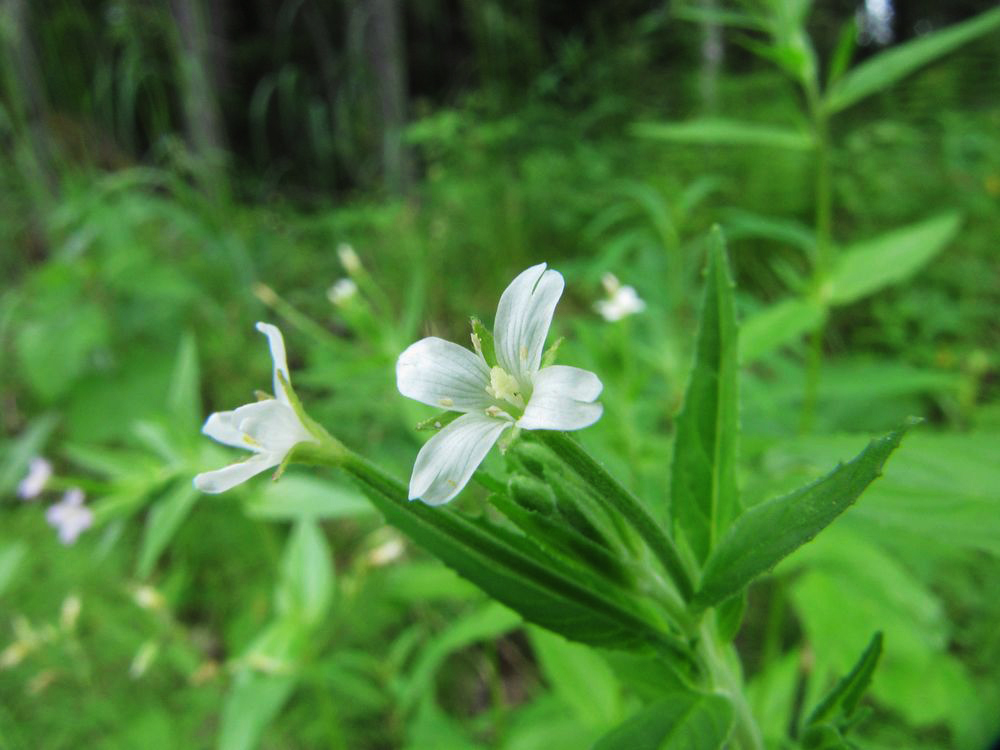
[
  {"x": 70, "y": 516},
  {"x": 270, "y": 428},
  {"x": 622, "y": 301},
  {"x": 39, "y": 473},
  {"x": 515, "y": 393}
]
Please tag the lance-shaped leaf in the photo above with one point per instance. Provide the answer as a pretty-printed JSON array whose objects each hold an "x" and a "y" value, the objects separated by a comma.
[
  {"x": 548, "y": 591},
  {"x": 703, "y": 494},
  {"x": 721, "y": 132},
  {"x": 868, "y": 266},
  {"x": 681, "y": 720},
  {"x": 883, "y": 70},
  {"x": 843, "y": 699},
  {"x": 768, "y": 532}
]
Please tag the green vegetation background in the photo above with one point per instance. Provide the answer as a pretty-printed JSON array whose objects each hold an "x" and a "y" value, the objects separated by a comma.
[{"x": 169, "y": 179}]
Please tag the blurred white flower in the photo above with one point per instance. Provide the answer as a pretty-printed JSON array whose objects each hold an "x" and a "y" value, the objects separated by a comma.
[
  {"x": 39, "y": 473},
  {"x": 622, "y": 301},
  {"x": 342, "y": 291},
  {"x": 270, "y": 428},
  {"x": 517, "y": 392},
  {"x": 70, "y": 516}
]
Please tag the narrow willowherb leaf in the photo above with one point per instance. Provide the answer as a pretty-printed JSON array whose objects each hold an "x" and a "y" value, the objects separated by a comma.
[
  {"x": 703, "y": 494},
  {"x": 847, "y": 693},
  {"x": 768, "y": 532}
]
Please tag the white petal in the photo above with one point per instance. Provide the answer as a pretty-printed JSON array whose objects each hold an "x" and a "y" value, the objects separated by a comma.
[
  {"x": 442, "y": 374},
  {"x": 277, "y": 343},
  {"x": 562, "y": 400},
  {"x": 523, "y": 319},
  {"x": 271, "y": 426},
  {"x": 228, "y": 477},
  {"x": 447, "y": 461},
  {"x": 221, "y": 426}
]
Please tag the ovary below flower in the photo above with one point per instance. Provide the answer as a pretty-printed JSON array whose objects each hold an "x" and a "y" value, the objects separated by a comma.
[
  {"x": 622, "y": 301},
  {"x": 516, "y": 392},
  {"x": 270, "y": 428}
]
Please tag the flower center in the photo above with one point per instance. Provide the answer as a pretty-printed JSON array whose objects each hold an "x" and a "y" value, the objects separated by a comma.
[{"x": 505, "y": 387}]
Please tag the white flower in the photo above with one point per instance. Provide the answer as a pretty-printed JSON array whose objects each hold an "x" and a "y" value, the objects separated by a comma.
[
  {"x": 622, "y": 300},
  {"x": 70, "y": 516},
  {"x": 270, "y": 428},
  {"x": 39, "y": 473},
  {"x": 342, "y": 291},
  {"x": 516, "y": 393}
]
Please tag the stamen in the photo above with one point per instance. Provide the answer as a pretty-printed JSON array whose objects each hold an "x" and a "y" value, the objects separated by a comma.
[{"x": 446, "y": 402}]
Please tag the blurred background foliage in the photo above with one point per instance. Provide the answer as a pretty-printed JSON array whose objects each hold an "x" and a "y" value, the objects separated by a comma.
[{"x": 173, "y": 172}]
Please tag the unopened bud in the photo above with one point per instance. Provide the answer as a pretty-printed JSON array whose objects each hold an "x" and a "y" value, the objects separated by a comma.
[
  {"x": 143, "y": 659},
  {"x": 532, "y": 494},
  {"x": 348, "y": 258}
]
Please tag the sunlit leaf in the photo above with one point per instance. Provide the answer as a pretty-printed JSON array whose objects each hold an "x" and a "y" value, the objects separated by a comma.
[
  {"x": 721, "y": 132},
  {"x": 868, "y": 266},
  {"x": 883, "y": 70}
]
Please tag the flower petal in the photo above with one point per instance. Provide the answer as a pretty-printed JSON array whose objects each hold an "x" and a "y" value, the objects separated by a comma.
[
  {"x": 221, "y": 426},
  {"x": 523, "y": 319},
  {"x": 562, "y": 399},
  {"x": 270, "y": 426},
  {"x": 228, "y": 477},
  {"x": 442, "y": 374},
  {"x": 447, "y": 461},
  {"x": 277, "y": 343}
]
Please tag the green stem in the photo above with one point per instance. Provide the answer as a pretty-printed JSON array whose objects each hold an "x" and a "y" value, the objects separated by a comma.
[
  {"x": 722, "y": 666},
  {"x": 573, "y": 454}
]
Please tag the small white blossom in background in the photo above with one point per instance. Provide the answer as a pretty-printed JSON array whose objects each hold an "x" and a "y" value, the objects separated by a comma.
[
  {"x": 270, "y": 428},
  {"x": 146, "y": 597},
  {"x": 386, "y": 552},
  {"x": 39, "y": 473},
  {"x": 70, "y": 516},
  {"x": 342, "y": 291},
  {"x": 622, "y": 301},
  {"x": 348, "y": 258},
  {"x": 516, "y": 393}
]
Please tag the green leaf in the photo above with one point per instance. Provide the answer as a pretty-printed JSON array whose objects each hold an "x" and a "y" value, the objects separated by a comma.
[
  {"x": 768, "y": 532},
  {"x": 306, "y": 585},
  {"x": 11, "y": 556},
  {"x": 18, "y": 454},
  {"x": 184, "y": 394},
  {"x": 703, "y": 494},
  {"x": 868, "y": 266},
  {"x": 256, "y": 696},
  {"x": 162, "y": 523},
  {"x": 775, "y": 326},
  {"x": 580, "y": 677},
  {"x": 884, "y": 69},
  {"x": 722, "y": 132},
  {"x": 844, "y": 697},
  {"x": 486, "y": 623},
  {"x": 561, "y": 597},
  {"x": 680, "y": 721},
  {"x": 301, "y": 496}
]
